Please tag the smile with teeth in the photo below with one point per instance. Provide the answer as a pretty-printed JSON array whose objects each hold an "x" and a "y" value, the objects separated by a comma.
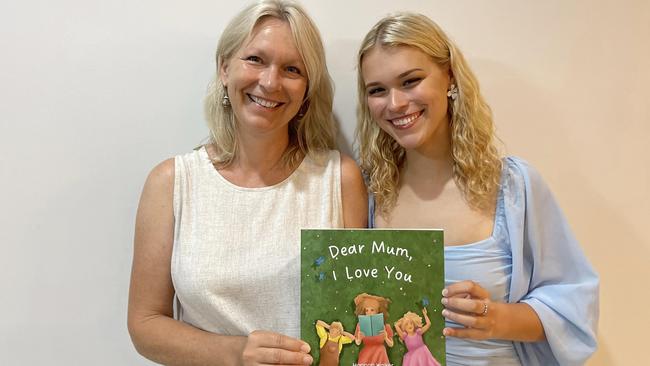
[
  {"x": 263, "y": 102},
  {"x": 403, "y": 121}
]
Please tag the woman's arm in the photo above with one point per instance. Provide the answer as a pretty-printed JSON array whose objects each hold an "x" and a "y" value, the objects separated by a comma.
[
  {"x": 551, "y": 273},
  {"x": 154, "y": 332},
  {"x": 354, "y": 194}
]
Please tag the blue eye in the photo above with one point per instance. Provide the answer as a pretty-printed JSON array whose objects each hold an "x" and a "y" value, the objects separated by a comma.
[
  {"x": 294, "y": 70},
  {"x": 254, "y": 59}
]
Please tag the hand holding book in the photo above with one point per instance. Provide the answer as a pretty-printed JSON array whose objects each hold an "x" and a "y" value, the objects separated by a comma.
[{"x": 467, "y": 303}]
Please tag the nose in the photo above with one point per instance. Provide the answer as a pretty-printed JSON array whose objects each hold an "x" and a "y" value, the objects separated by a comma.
[
  {"x": 398, "y": 100},
  {"x": 270, "y": 79}
]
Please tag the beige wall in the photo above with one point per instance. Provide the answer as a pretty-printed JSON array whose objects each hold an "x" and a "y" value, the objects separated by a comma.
[{"x": 570, "y": 89}]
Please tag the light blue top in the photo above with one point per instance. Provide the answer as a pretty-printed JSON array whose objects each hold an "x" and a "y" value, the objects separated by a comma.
[
  {"x": 531, "y": 257},
  {"x": 488, "y": 263}
]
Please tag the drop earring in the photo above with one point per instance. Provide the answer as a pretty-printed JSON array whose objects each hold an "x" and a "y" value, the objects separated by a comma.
[
  {"x": 225, "y": 101},
  {"x": 452, "y": 92}
]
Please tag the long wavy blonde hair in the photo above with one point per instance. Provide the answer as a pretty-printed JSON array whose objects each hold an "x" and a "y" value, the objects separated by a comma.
[
  {"x": 315, "y": 130},
  {"x": 476, "y": 160}
]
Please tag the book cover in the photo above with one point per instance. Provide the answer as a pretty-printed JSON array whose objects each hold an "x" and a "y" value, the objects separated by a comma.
[{"x": 372, "y": 297}]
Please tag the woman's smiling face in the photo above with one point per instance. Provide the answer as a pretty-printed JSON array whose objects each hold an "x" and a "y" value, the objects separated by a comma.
[
  {"x": 266, "y": 79},
  {"x": 406, "y": 94}
]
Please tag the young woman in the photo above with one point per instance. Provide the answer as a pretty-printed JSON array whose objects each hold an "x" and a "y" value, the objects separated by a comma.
[
  {"x": 519, "y": 289},
  {"x": 216, "y": 268}
]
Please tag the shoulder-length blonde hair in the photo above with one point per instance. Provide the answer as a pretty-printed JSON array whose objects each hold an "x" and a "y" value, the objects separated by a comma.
[
  {"x": 313, "y": 131},
  {"x": 476, "y": 161}
]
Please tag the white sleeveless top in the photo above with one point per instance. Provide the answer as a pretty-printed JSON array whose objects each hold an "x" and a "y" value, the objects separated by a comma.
[{"x": 236, "y": 257}]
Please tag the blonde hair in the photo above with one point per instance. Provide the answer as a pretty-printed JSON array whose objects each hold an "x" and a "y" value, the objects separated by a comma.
[
  {"x": 312, "y": 132},
  {"x": 337, "y": 325},
  {"x": 476, "y": 161},
  {"x": 412, "y": 317}
]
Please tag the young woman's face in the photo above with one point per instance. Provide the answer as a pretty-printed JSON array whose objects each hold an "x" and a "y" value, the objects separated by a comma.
[
  {"x": 370, "y": 307},
  {"x": 266, "y": 79},
  {"x": 406, "y": 93}
]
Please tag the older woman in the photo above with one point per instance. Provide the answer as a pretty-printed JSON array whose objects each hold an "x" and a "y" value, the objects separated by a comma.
[
  {"x": 216, "y": 264},
  {"x": 519, "y": 289}
]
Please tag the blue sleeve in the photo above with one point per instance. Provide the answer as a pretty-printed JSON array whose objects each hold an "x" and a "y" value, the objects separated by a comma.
[
  {"x": 371, "y": 210},
  {"x": 550, "y": 271}
]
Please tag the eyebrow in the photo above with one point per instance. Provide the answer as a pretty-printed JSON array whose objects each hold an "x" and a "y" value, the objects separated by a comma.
[
  {"x": 405, "y": 73},
  {"x": 260, "y": 52}
]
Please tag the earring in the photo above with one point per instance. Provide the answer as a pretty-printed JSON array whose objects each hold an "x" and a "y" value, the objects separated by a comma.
[
  {"x": 452, "y": 92},
  {"x": 225, "y": 101}
]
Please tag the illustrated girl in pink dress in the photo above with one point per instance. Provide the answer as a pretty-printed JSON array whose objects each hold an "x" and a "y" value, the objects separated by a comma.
[
  {"x": 410, "y": 331},
  {"x": 373, "y": 351}
]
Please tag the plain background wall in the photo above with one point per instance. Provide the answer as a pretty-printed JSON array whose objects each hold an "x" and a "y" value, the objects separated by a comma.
[{"x": 94, "y": 93}]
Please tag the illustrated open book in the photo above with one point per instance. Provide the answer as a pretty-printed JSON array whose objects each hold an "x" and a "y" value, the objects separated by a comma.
[
  {"x": 371, "y": 325},
  {"x": 372, "y": 296}
]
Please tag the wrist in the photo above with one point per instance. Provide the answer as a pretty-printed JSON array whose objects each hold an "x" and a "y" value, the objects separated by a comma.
[
  {"x": 237, "y": 345},
  {"x": 516, "y": 322},
  {"x": 498, "y": 315}
]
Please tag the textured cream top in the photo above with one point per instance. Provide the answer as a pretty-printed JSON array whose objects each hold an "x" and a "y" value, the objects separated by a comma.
[{"x": 236, "y": 256}]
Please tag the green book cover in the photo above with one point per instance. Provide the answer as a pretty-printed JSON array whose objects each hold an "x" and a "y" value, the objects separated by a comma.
[{"x": 394, "y": 277}]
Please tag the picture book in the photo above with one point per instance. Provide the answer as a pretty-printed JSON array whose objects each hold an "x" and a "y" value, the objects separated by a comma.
[{"x": 372, "y": 296}]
